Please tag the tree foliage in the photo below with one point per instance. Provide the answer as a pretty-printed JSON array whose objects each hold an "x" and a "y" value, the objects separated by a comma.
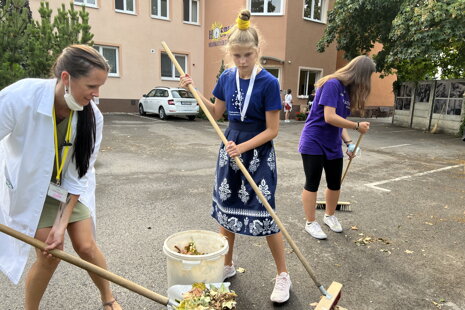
[
  {"x": 421, "y": 38},
  {"x": 28, "y": 48},
  {"x": 15, "y": 17}
]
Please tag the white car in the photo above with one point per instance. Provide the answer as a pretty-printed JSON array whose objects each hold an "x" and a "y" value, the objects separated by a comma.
[{"x": 168, "y": 101}]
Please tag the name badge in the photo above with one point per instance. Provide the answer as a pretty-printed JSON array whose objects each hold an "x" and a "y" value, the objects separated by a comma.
[{"x": 57, "y": 192}]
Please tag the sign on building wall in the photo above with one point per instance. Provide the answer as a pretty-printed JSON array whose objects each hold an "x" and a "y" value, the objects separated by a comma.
[{"x": 217, "y": 35}]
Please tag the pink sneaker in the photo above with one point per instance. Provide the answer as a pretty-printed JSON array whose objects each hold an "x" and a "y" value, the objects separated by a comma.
[{"x": 281, "y": 288}]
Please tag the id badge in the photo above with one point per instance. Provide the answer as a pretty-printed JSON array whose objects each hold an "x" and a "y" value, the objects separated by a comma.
[{"x": 57, "y": 192}]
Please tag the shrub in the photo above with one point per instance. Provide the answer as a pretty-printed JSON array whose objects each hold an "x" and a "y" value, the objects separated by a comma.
[{"x": 301, "y": 116}]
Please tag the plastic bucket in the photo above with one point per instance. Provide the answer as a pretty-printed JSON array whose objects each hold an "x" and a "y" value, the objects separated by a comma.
[{"x": 185, "y": 269}]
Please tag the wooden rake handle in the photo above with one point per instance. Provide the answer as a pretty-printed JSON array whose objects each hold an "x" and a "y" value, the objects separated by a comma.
[
  {"x": 89, "y": 267},
  {"x": 350, "y": 160},
  {"x": 245, "y": 172}
]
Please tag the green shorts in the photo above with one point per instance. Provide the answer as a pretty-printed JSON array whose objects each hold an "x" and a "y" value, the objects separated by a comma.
[{"x": 50, "y": 210}]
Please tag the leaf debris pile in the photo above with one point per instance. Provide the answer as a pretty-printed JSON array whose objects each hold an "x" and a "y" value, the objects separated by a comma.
[
  {"x": 200, "y": 297},
  {"x": 189, "y": 249}
]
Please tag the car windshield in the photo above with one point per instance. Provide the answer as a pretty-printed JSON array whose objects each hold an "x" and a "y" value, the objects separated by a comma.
[{"x": 180, "y": 93}]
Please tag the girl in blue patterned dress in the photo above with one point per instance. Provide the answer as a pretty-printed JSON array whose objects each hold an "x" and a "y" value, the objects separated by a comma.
[{"x": 251, "y": 96}]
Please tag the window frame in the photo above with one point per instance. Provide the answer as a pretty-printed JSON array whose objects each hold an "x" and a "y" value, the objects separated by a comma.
[
  {"x": 265, "y": 9},
  {"x": 116, "y": 48},
  {"x": 190, "y": 13},
  {"x": 274, "y": 68},
  {"x": 125, "y": 10},
  {"x": 318, "y": 76},
  {"x": 84, "y": 3},
  {"x": 173, "y": 68},
  {"x": 167, "y": 17},
  {"x": 324, "y": 12}
]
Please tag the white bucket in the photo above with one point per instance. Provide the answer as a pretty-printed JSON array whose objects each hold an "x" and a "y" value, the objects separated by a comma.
[{"x": 185, "y": 269}]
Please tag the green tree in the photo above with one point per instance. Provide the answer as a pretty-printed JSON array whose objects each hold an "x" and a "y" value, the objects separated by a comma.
[
  {"x": 28, "y": 48},
  {"x": 15, "y": 17},
  {"x": 49, "y": 38},
  {"x": 420, "y": 38}
]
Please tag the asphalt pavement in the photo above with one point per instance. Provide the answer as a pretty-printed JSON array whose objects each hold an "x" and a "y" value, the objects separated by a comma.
[{"x": 403, "y": 244}]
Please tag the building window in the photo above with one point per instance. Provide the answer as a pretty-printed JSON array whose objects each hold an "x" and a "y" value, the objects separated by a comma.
[
  {"x": 266, "y": 7},
  {"x": 125, "y": 6},
  {"x": 315, "y": 10},
  {"x": 90, "y": 3},
  {"x": 191, "y": 11},
  {"x": 404, "y": 97},
  {"x": 307, "y": 80},
  {"x": 449, "y": 97},
  {"x": 168, "y": 70},
  {"x": 110, "y": 53},
  {"x": 160, "y": 9}
]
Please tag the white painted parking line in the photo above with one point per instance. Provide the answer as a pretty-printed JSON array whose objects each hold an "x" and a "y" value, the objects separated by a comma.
[
  {"x": 391, "y": 146},
  {"x": 375, "y": 184}
]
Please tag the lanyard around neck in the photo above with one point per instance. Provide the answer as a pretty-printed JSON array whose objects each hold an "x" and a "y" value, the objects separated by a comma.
[
  {"x": 65, "y": 146},
  {"x": 248, "y": 94}
]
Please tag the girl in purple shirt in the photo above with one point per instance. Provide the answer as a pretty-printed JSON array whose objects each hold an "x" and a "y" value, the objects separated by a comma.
[{"x": 326, "y": 126}]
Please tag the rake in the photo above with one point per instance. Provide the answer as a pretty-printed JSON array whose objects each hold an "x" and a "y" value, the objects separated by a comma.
[
  {"x": 330, "y": 296},
  {"x": 103, "y": 273}
]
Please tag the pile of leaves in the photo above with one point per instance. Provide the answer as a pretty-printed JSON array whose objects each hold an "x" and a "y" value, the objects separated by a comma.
[
  {"x": 189, "y": 249},
  {"x": 200, "y": 297}
]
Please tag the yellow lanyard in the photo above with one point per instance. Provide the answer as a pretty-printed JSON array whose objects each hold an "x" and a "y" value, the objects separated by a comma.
[{"x": 65, "y": 146}]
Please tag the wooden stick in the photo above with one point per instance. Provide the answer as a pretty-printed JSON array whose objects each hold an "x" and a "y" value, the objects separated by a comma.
[
  {"x": 246, "y": 173},
  {"x": 350, "y": 160},
  {"x": 89, "y": 267}
]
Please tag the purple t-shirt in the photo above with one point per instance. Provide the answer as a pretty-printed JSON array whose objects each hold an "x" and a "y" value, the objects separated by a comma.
[{"x": 319, "y": 137}]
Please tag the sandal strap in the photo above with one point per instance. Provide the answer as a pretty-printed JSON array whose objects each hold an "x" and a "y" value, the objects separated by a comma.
[{"x": 109, "y": 304}]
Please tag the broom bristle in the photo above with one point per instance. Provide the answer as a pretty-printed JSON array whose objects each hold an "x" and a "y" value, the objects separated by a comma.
[{"x": 341, "y": 205}]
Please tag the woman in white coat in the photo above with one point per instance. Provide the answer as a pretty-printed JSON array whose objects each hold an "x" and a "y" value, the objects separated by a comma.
[{"x": 50, "y": 134}]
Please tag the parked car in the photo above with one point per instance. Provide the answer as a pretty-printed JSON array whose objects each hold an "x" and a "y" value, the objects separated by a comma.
[{"x": 169, "y": 101}]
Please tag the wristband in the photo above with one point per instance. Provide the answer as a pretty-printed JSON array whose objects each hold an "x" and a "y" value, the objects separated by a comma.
[
  {"x": 347, "y": 142},
  {"x": 357, "y": 126}
]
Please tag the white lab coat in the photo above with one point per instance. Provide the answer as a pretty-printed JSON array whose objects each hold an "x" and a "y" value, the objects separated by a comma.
[{"x": 27, "y": 154}]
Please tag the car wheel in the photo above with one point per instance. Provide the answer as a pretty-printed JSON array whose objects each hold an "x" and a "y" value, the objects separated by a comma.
[
  {"x": 191, "y": 117},
  {"x": 141, "y": 109},
  {"x": 162, "y": 113}
]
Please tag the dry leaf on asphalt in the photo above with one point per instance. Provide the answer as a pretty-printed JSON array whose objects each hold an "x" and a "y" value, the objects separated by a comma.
[
  {"x": 354, "y": 228},
  {"x": 240, "y": 270},
  {"x": 408, "y": 251}
]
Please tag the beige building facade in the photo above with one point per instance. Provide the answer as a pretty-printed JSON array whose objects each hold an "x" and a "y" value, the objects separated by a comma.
[{"x": 128, "y": 33}]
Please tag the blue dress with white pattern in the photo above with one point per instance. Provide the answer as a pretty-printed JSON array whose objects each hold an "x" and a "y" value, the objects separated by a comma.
[{"x": 235, "y": 205}]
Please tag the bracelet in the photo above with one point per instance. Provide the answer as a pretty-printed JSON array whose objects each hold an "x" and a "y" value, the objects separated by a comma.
[
  {"x": 357, "y": 126},
  {"x": 347, "y": 142}
]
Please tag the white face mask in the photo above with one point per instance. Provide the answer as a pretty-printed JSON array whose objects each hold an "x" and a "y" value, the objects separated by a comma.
[{"x": 70, "y": 101}]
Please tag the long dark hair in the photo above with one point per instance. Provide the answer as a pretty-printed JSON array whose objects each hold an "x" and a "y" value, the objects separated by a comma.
[{"x": 78, "y": 61}]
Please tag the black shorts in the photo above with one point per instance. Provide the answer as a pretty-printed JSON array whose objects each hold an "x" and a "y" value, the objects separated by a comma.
[{"x": 313, "y": 168}]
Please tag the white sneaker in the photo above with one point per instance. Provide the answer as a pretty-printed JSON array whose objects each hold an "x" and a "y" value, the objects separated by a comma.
[
  {"x": 333, "y": 223},
  {"x": 314, "y": 229},
  {"x": 281, "y": 289},
  {"x": 229, "y": 271}
]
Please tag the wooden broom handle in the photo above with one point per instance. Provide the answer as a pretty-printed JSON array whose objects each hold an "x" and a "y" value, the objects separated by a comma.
[
  {"x": 350, "y": 160},
  {"x": 88, "y": 266},
  {"x": 245, "y": 172}
]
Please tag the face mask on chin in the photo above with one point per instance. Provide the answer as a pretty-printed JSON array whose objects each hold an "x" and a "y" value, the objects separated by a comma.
[{"x": 69, "y": 99}]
